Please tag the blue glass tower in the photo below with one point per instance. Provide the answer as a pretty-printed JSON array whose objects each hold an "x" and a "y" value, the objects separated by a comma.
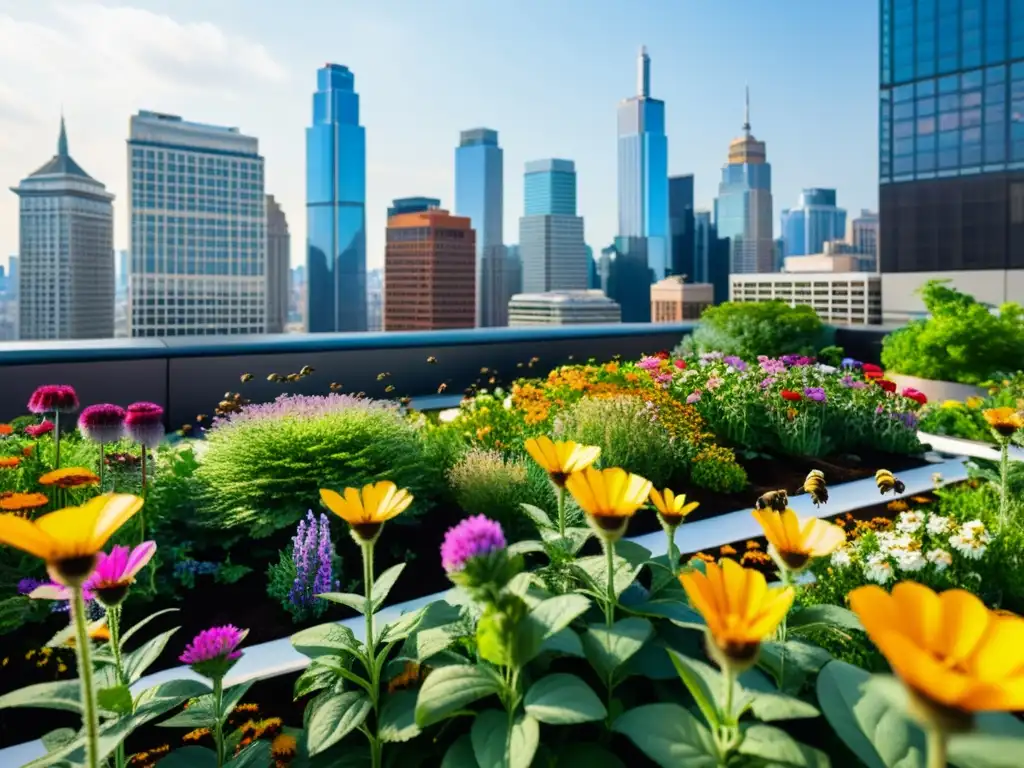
[
  {"x": 643, "y": 172},
  {"x": 814, "y": 222},
  {"x": 554, "y": 254},
  {"x": 680, "y": 225},
  {"x": 336, "y": 205}
]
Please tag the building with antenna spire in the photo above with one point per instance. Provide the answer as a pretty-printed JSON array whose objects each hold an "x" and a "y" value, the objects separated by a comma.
[
  {"x": 743, "y": 210},
  {"x": 66, "y": 251}
]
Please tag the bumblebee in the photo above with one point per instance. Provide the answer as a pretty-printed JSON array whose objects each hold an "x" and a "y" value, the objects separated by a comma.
[
  {"x": 335, "y": 386},
  {"x": 775, "y": 500},
  {"x": 246, "y": 377},
  {"x": 887, "y": 481},
  {"x": 382, "y": 376},
  {"x": 305, "y": 370},
  {"x": 186, "y": 428},
  {"x": 201, "y": 418},
  {"x": 275, "y": 377},
  {"x": 389, "y": 388},
  {"x": 432, "y": 360},
  {"x": 405, "y": 401},
  {"x": 442, "y": 387},
  {"x": 815, "y": 486}
]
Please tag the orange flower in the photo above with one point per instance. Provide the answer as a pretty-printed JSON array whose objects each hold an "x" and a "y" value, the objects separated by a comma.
[
  {"x": 753, "y": 544},
  {"x": 70, "y": 477},
  {"x": 727, "y": 550},
  {"x": 9, "y": 462},
  {"x": 22, "y": 502},
  {"x": 5, "y": 430},
  {"x": 28, "y": 450}
]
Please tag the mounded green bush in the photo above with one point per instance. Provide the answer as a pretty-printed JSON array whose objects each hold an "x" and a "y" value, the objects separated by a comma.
[{"x": 749, "y": 329}]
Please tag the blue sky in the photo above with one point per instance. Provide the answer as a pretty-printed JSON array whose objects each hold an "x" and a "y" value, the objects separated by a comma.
[{"x": 547, "y": 74}]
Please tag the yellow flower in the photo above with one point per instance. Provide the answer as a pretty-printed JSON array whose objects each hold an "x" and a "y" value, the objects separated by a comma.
[
  {"x": 561, "y": 459},
  {"x": 367, "y": 510},
  {"x": 70, "y": 477},
  {"x": 951, "y": 404},
  {"x": 100, "y": 634},
  {"x": 1004, "y": 420},
  {"x": 609, "y": 497},
  {"x": 796, "y": 541},
  {"x": 738, "y": 607},
  {"x": 671, "y": 508},
  {"x": 973, "y": 401},
  {"x": 283, "y": 747},
  {"x": 69, "y": 538},
  {"x": 948, "y": 648}
]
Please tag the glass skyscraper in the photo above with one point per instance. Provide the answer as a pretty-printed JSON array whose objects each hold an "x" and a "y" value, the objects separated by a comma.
[
  {"x": 815, "y": 221},
  {"x": 951, "y": 148},
  {"x": 336, "y": 205},
  {"x": 680, "y": 224},
  {"x": 551, "y": 244},
  {"x": 643, "y": 172},
  {"x": 743, "y": 210}
]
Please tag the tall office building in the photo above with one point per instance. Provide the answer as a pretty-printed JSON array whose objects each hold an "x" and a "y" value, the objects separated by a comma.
[
  {"x": 551, "y": 243},
  {"x": 375, "y": 300},
  {"x": 336, "y": 205},
  {"x": 122, "y": 270},
  {"x": 429, "y": 272},
  {"x": 643, "y": 173},
  {"x": 862, "y": 237},
  {"x": 628, "y": 282},
  {"x": 479, "y": 196},
  {"x": 198, "y": 229},
  {"x": 815, "y": 221},
  {"x": 680, "y": 225},
  {"x": 951, "y": 150},
  {"x": 65, "y": 275},
  {"x": 279, "y": 257},
  {"x": 13, "y": 275},
  {"x": 412, "y": 205},
  {"x": 743, "y": 210},
  {"x": 711, "y": 256}
]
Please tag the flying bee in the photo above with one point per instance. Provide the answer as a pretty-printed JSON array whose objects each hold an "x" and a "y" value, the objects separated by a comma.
[
  {"x": 382, "y": 376},
  {"x": 306, "y": 370},
  {"x": 335, "y": 386},
  {"x": 774, "y": 500},
  {"x": 815, "y": 485},
  {"x": 201, "y": 418},
  {"x": 389, "y": 388},
  {"x": 225, "y": 405},
  {"x": 519, "y": 365},
  {"x": 485, "y": 370},
  {"x": 246, "y": 377},
  {"x": 442, "y": 387},
  {"x": 533, "y": 361},
  {"x": 275, "y": 377},
  {"x": 186, "y": 428},
  {"x": 432, "y": 360},
  {"x": 360, "y": 394},
  {"x": 491, "y": 380},
  {"x": 405, "y": 401},
  {"x": 887, "y": 481},
  {"x": 293, "y": 377}
]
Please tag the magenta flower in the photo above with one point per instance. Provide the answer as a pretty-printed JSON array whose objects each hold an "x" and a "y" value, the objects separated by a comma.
[
  {"x": 649, "y": 363},
  {"x": 144, "y": 423},
  {"x": 53, "y": 398},
  {"x": 102, "y": 423},
  {"x": 815, "y": 393},
  {"x": 116, "y": 571},
  {"x": 475, "y": 536},
  {"x": 38, "y": 430},
  {"x": 214, "y": 651}
]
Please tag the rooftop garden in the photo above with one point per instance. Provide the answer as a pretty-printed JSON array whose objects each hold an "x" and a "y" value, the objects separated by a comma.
[{"x": 739, "y": 553}]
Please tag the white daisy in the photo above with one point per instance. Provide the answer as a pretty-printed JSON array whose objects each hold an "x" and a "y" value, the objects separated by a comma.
[
  {"x": 909, "y": 522},
  {"x": 940, "y": 558},
  {"x": 507, "y": 402},
  {"x": 878, "y": 569},
  {"x": 841, "y": 558},
  {"x": 910, "y": 560},
  {"x": 889, "y": 542},
  {"x": 448, "y": 415},
  {"x": 938, "y": 525},
  {"x": 826, "y": 368},
  {"x": 971, "y": 540}
]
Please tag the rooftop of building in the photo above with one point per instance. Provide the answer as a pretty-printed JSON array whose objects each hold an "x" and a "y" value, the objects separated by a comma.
[
  {"x": 429, "y": 218},
  {"x": 550, "y": 165},
  {"x": 61, "y": 164},
  {"x": 563, "y": 297}
]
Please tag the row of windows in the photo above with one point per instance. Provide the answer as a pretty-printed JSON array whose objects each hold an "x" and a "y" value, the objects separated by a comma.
[{"x": 194, "y": 158}]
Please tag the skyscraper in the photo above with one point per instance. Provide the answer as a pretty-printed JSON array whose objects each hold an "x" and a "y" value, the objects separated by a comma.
[
  {"x": 680, "y": 225},
  {"x": 711, "y": 256},
  {"x": 429, "y": 272},
  {"x": 479, "y": 196},
  {"x": 951, "y": 149},
  {"x": 66, "y": 251},
  {"x": 279, "y": 256},
  {"x": 551, "y": 243},
  {"x": 815, "y": 221},
  {"x": 862, "y": 236},
  {"x": 198, "y": 229},
  {"x": 643, "y": 172},
  {"x": 743, "y": 210},
  {"x": 336, "y": 205}
]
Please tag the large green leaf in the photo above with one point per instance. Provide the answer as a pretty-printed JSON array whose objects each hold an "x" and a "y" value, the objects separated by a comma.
[
  {"x": 324, "y": 640},
  {"x": 254, "y": 755},
  {"x": 562, "y": 699},
  {"x": 565, "y": 547},
  {"x": 460, "y": 754},
  {"x": 778, "y": 748},
  {"x": 383, "y": 584},
  {"x": 424, "y": 643},
  {"x": 770, "y": 706},
  {"x": 138, "y": 661},
  {"x": 523, "y": 547},
  {"x": 128, "y": 635},
  {"x": 678, "y": 612},
  {"x": 564, "y": 643},
  {"x": 537, "y": 515},
  {"x": 669, "y": 735},
  {"x": 490, "y": 734},
  {"x": 546, "y": 619},
  {"x": 608, "y": 648},
  {"x": 322, "y": 672},
  {"x": 349, "y": 599},
  {"x": 706, "y": 686},
  {"x": 595, "y": 569},
  {"x": 200, "y": 713},
  {"x": 867, "y": 722},
  {"x": 62, "y": 694},
  {"x": 333, "y": 717},
  {"x": 398, "y": 717},
  {"x": 984, "y": 750},
  {"x": 812, "y": 616},
  {"x": 117, "y": 699},
  {"x": 802, "y": 662},
  {"x": 449, "y": 689},
  {"x": 435, "y": 614}
]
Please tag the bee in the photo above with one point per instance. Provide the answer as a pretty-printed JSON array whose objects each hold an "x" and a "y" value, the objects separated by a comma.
[
  {"x": 519, "y": 365},
  {"x": 382, "y": 376},
  {"x": 491, "y": 380},
  {"x": 442, "y": 387},
  {"x": 432, "y": 360},
  {"x": 306, "y": 370},
  {"x": 887, "y": 481},
  {"x": 246, "y": 377},
  {"x": 237, "y": 397},
  {"x": 275, "y": 377},
  {"x": 186, "y": 428},
  {"x": 485, "y": 370},
  {"x": 775, "y": 500},
  {"x": 533, "y": 361},
  {"x": 335, "y": 386},
  {"x": 815, "y": 485},
  {"x": 389, "y": 388},
  {"x": 225, "y": 405},
  {"x": 201, "y": 418},
  {"x": 405, "y": 401},
  {"x": 617, "y": 358},
  {"x": 360, "y": 394}
]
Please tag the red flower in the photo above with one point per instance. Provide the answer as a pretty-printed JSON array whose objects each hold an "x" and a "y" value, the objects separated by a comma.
[
  {"x": 680, "y": 364},
  {"x": 888, "y": 386},
  {"x": 663, "y": 355},
  {"x": 871, "y": 368},
  {"x": 40, "y": 429},
  {"x": 789, "y": 394},
  {"x": 914, "y": 394}
]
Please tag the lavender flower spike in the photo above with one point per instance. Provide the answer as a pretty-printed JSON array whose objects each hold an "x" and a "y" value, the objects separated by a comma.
[
  {"x": 324, "y": 574},
  {"x": 475, "y": 536},
  {"x": 214, "y": 651}
]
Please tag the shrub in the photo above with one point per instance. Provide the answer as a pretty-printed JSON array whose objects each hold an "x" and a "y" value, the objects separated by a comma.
[
  {"x": 715, "y": 468},
  {"x": 747, "y": 330},
  {"x": 962, "y": 340},
  {"x": 831, "y": 355},
  {"x": 263, "y": 467}
]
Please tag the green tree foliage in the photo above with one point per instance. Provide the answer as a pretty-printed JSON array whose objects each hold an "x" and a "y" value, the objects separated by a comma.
[{"x": 747, "y": 330}]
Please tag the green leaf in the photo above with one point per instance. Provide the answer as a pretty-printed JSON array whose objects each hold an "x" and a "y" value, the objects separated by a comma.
[
  {"x": 435, "y": 614},
  {"x": 138, "y": 661},
  {"x": 163, "y": 697},
  {"x": 190, "y": 757},
  {"x": 58, "y": 738},
  {"x": 874, "y": 730},
  {"x": 778, "y": 748},
  {"x": 985, "y": 750},
  {"x": 816, "y": 615},
  {"x": 322, "y": 672},
  {"x": 424, "y": 643},
  {"x": 383, "y": 584},
  {"x": 350, "y": 599},
  {"x": 117, "y": 699},
  {"x": 632, "y": 553},
  {"x": 596, "y": 569},
  {"x": 771, "y": 707},
  {"x": 705, "y": 684},
  {"x": 333, "y": 717},
  {"x": 126, "y": 636},
  {"x": 490, "y": 734},
  {"x": 564, "y": 643},
  {"x": 449, "y": 689},
  {"x": 562, "y": 699},
  {"x": 398, "y": 717},
  {"x": 200, "y": 713},
  {"x": 567, "y": 546},
  {"x": 803, "y": 661},
  {"x": 608, "y": 648},
  {"x": 460, "y": 754},
  {"x": 537, "y": 515},
  {"x": 326, "y": 639},
  {"x": 255, "y": 755},
  {"x": 523, "y": 547},
  {"x": 678, "y": 612},
  {"x": 548, "y": 618},
  {"x": 63, "y": 694},
  {"x": 669, "y": 735}
]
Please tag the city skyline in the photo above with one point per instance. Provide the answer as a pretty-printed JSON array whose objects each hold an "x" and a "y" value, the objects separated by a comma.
[{"x": 247, "y": 70}]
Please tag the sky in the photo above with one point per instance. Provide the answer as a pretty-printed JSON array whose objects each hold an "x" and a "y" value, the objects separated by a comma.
[{"x": 546, "y": 75}]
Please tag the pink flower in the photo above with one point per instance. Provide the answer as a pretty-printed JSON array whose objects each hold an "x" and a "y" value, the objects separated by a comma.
[
  {"x": 649, "y": 363},
  {"x": 144, "y": 423},
  {"x": 51, "y": 398},
  {"x": 102, "y": 423},
  {"x": 476, "y": 536},
  {"x": 116, "y": 571},
  {"x": 40, "y": 429},
  {"x": 714, "y": 383},
  {"x": 693, "y": 397},
  {"x": 214, "y": 651}
]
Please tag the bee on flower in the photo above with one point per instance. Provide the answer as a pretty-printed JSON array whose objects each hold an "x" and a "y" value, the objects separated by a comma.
[{"x": 971, "y": 540}]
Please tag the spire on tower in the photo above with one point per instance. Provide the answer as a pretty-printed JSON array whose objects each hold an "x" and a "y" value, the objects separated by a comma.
[
  {"x": 62, "y": 139},
  {"x": 746, "y": 112},
  {"x": 643, "y": 73}
]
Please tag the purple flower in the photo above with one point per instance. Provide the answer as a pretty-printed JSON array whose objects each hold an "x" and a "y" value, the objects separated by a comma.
[
  {"x": 663, "y": 378},
  {"x": 144, "y": 423},
  {"x": 102, "y": 423},
  {"x": 475, "y": 536},
  {"x": 324, "y": 554},
  {"x": 908, "y": 418},
  {"x": 852, "y": 383},
  {"x": 815, "y": 393},
  {"x": 313, "y": 555},
  {"x": 649, "y": 363},
  {"x": 710, "y": 357},
  {"x": 770, "y": 365},
  {"x": 795, "y": 361},
  {"x": 27, "y": 586},
  {"x": 735, "y": 362},
  {"x": 693, "y": 397},
  {"x": 849, "y": 362},
  {"x": 51, "y": 398},
  {"x": 303, "y": 407},
  {"x": 214, "y": 651},
  {"x": 768, "y": 381}
]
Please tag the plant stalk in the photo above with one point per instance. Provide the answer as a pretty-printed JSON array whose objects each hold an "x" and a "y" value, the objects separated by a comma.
[
  {"x": 1004, "y": 470},
  {"x": 218, "y": 724},
  {"x": 56, "y": 439},
  {"x": 83, "y": 654},
  {"x": 609, "y": 609},
  {"x": 673, "y": 557},
  {"x": 114, "y": 625},
  {"x": 937, "y": 748},
  {"x": 560, "y": 493},
  {"x": 371, "y": 653},
  {"x": 101, "y": 467}
]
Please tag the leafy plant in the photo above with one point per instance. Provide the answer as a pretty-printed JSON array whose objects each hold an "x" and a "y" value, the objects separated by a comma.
[{"x": 747, "y": 330}]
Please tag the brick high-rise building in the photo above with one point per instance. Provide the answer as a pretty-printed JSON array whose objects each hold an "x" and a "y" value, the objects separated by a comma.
[{"x": 429, "y": 272}]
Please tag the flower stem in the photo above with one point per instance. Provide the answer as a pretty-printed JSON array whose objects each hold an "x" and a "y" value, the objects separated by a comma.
[
  {"x": 729, "y": 678},
  {"x": 609, "y": 608},
  {"x": 1004, "y": 469},
  {"x": 90, "y": 716},
  {"x": 101, "y": 468},
  {"x": 56, "y": 439},
  {"x": 368, "y": 588},
  {"x": 114, "y": 625},
  {"x": 673, "y": 557},
  {"x": 560, "y": 493},
  {"x": 218, "y": 723},
  {"x": 371, "y": 652},
  {"x": 936, "y": 741}
]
